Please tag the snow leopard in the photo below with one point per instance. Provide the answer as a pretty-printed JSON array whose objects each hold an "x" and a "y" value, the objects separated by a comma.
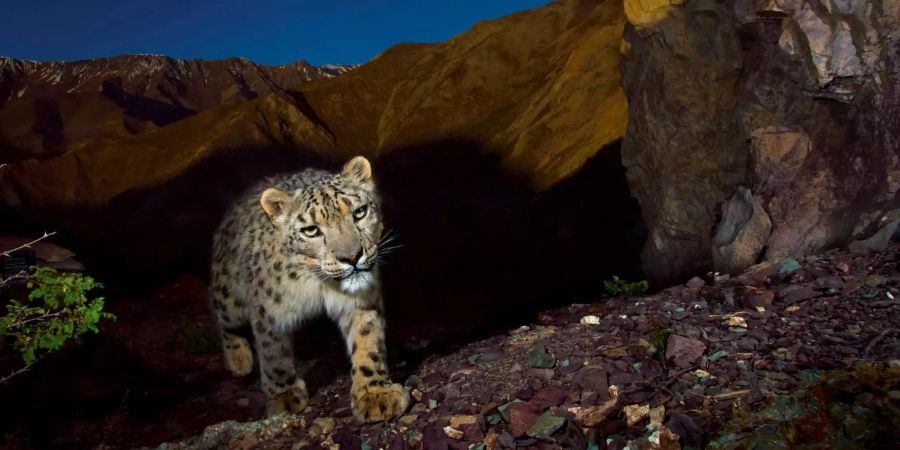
[{"x": 295, "y": 246}]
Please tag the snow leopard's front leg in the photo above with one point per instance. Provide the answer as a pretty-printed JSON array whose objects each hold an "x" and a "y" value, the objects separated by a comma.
[
  {"x": 285, "y": 391},
  {"x": 372, "y": 394}
]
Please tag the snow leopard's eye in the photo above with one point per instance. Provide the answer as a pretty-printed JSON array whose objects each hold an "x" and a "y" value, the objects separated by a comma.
[
  {"x": 360, "y": 212},
  {"x": 310, "y": 231}
]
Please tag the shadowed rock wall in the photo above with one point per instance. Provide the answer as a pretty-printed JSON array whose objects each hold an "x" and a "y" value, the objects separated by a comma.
[{"x": 796, "y": 100}]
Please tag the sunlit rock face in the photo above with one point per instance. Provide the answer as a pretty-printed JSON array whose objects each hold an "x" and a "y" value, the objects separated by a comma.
[{"x": 797, "y": 101}]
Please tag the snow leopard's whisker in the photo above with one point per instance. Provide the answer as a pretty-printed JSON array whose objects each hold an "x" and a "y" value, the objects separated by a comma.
[
  {"x": 389, "y": 249},
  {"x": 388, "y": 237}
]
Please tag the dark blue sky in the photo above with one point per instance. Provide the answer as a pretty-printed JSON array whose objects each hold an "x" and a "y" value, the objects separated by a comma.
[{"x": 272, "y": 32}]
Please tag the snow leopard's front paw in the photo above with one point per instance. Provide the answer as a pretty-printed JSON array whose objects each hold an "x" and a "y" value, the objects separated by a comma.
[
  {"x": 378, "y": 401},
  {"x": 292, "y": 401},
  {"x": 238, "y": 356}
]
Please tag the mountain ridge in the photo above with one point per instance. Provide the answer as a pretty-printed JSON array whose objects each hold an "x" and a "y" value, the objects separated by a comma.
[
  {"x": 49, "y": 108},
  {"x": 83, "y": 75}
]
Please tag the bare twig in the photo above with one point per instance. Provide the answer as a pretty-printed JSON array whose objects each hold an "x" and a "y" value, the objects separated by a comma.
[
  {"x": 21, "y": 275},
  {"x": 6, "y": 379},
  {"x": 873, "y": 342},
  {"x": 37, "y": 318},
  {"x": 28, "y": 245},
  {"x": 731, "y": 394}
]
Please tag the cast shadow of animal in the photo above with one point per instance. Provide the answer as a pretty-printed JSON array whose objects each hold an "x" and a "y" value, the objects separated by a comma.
[{"x": 480, "y": 249}]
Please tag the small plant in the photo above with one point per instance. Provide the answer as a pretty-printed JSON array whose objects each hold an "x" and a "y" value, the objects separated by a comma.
[
  {"x": 659, "y": 339},
  {"x": 58, "y": 310},
  {"x": 618, "y": 286}
]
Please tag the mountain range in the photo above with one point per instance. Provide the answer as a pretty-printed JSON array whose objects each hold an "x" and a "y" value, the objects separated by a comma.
[
  {"x": 539, "y": 88},
  {"x": 49, "y": 108}
]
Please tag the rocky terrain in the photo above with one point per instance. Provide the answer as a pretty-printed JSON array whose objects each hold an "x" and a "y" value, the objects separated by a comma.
[{"x": 791, "y": 354}]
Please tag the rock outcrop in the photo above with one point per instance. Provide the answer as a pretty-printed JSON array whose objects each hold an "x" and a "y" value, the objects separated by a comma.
[{"x": 799, "y": 101}]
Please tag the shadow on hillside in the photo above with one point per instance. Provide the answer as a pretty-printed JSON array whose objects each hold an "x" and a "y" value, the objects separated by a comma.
[{"x": 481, "y": 252}]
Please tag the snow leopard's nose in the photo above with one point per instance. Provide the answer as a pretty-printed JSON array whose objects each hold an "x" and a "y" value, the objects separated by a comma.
[{"x": 351, "y": 258}]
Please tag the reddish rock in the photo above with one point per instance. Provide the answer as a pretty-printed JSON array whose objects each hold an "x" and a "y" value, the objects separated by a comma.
[
  {"x": 472, "y": 433},
  {"x": 549, "y": 396},
  {"x": 521, "y": 417},
  {"x": 800, "y": 294},
  {"x": 683, "y": 351},
  {"x": 758, "y": 298}
]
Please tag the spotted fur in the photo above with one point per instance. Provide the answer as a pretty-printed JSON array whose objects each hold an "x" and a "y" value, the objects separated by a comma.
[{"x": 296, "y": 246}]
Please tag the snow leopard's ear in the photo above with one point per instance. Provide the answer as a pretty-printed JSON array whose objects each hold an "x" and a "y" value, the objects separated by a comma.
[
  {"x": 274, "y": 201},
  {"x": 358, "y": 171}
]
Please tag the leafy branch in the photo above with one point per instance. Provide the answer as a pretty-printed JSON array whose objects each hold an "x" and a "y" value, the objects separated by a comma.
[{"x": 57, "y": 311}]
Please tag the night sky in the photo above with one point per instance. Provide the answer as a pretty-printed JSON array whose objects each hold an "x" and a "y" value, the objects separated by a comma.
[{"x": 271, "y": 32}]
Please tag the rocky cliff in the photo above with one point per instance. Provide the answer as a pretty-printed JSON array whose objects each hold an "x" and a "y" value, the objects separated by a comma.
[{"x": 797, "y": 101}]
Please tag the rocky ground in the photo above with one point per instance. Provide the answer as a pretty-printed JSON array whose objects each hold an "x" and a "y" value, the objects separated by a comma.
[{"x": 792, "y": 354}]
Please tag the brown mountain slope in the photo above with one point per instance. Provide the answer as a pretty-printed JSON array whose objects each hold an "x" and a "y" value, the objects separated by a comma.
[
  {"x": 91, "y": 174},
  {"x": 48, "y": 108},
  {"x": 541, "y": 88}
]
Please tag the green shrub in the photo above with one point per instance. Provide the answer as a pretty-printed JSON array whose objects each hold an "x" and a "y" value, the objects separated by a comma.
[
  {"x": 618, "y": 286},
  {"x": 58, "y": 310}
]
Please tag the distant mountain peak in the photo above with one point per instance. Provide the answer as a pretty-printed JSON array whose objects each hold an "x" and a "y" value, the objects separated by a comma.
[{"x": 194, "y": 84}]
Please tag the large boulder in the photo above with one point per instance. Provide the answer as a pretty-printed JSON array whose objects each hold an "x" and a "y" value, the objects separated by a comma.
[{"x": 796, "y": 100}]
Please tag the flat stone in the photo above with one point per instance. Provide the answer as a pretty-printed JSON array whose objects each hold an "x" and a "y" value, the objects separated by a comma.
[
  {"x": 592, "y": 378},
  {"x": 539, "y": 357},
  {"x": 542, "y": 374},
  {"x": 545, "y": 425},
  {"x": 696, "y": 283},
  {"x": 521, "y": 417},
  {"x": 684, "y": 351},
  {"x": 458, "y": 420},
  {"x": 800, "y": 294},
  {"x": 549, "y": 396}
]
